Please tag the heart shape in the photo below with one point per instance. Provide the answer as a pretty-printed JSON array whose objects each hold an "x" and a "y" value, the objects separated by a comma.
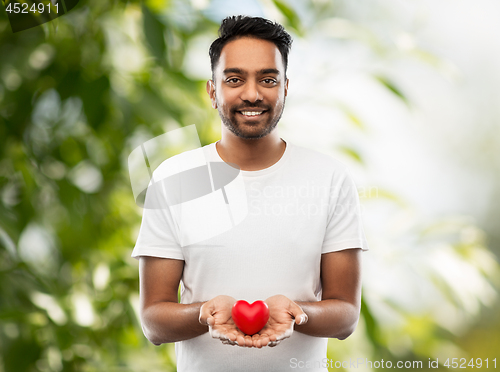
[{"x": 250, "y": 318}]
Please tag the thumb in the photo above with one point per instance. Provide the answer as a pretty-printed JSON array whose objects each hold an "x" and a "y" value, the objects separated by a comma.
[
  {"x": 206, "y": 317},
  {"x": 299, "y": 314}
]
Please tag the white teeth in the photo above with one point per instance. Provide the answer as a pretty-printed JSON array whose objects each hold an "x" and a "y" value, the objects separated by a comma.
[{"x": 251, "y": 113}]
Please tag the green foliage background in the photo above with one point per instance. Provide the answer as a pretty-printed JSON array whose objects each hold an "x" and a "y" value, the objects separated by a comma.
[{"x": 84, "y": 120}]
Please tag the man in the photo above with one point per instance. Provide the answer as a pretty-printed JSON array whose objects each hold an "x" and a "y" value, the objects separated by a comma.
[{"x": 298, "y": 248}]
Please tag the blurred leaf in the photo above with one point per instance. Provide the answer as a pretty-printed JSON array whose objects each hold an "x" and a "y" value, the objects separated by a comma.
[
  {"x": 354, "y": 119},
  {"x": 370, "y": 323},
  {"x": 90, "y": 91},
  {"x": 388, "y": 195},
  {"x": 290, "y": 15},
  {"x": 395, "y": 90},
  {"x": 352, "y": 153},
  {"x": 154, "y": 33},
  {"x": 70, "y": 4},
  {"x": 158, "y": 6},
  {"x": 20, "y": 354}
]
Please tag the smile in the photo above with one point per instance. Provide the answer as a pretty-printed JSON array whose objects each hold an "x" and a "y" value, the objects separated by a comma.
[{"x": 251, "y": 113}]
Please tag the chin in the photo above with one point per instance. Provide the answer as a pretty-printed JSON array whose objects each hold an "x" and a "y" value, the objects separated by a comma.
[
  {"x": 248, "y": 131},
  {"x": 257, "y": 132},
  {"x": 250, "y": 136}
]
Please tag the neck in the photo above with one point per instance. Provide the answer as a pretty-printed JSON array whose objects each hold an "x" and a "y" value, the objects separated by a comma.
[{"x": 251, "y": 154}]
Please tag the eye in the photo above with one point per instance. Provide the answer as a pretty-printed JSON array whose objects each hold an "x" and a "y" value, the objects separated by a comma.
[
  {"x": 233, "y": 80},
  {"x": 269, "y": 81}
]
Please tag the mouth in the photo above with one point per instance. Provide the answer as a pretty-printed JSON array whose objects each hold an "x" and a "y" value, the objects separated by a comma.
[{"x": 250, "y": 114}]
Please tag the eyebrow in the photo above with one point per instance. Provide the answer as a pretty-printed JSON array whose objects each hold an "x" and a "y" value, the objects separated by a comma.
[{"x": 264, "y": 71}]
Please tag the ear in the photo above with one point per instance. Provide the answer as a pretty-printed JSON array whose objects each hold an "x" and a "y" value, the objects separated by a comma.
[
  {"x": 286, "y": 87},
  {"x": 211, "y": 93}
]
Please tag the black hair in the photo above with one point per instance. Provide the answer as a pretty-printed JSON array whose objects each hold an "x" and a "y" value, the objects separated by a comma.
[{"x": 234, "y": 27}]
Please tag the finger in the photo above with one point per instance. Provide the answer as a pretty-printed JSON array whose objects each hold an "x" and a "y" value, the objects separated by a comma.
[
  {"x": 256, "y": 341},
  {"x": 238, "y": 337},
  {"x": 299, "y": 315},
  {"x": 264, "y": 339},
  {"x": 248, "y": 341},
  {"x": 223, "y": 334},
  {"x": 240, "y": 340},
  {"x": 232, "y": 335},
  {"x": 206, "y": 317},
  {"x": 209, "y": 321}
]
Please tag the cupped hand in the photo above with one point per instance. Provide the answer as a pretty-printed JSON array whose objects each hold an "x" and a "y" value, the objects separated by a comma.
[
  {"x": 283, "y": 314},
  {"x": 216, "y": 313}
]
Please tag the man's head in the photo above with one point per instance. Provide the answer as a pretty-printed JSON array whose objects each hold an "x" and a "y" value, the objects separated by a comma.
[{"x": 249, "y": 83}]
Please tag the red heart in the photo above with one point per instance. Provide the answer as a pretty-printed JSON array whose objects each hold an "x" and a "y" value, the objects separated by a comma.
[{"x": 250, "y": 319}]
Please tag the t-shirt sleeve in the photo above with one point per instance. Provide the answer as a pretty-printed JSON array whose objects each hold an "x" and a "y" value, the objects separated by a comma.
[
  {"x": 344, "y": 228},
  {"x": 158, "y": 235}
]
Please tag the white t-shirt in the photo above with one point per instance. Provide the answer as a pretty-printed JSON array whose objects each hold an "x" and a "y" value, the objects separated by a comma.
[{"x": 304, "y": 205}]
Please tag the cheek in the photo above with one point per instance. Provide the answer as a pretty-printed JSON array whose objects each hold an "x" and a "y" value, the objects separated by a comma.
[
  {"x": 278, "y": 95},
  {"x": 279, "y": 101},
  {"x": 226, "y": 100}
]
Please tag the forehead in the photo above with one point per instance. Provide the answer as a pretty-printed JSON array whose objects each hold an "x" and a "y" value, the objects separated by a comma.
[{"x": 250, "y": 54}]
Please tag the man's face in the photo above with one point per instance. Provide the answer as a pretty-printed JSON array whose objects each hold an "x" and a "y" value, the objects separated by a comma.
[{"x": 250, "y": 87}]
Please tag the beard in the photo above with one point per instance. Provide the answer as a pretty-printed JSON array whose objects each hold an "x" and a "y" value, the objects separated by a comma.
[{"x": 245, "y": 130}]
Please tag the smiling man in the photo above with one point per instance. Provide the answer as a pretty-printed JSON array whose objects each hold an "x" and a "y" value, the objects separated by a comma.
[{"x": 299, "y": 247}]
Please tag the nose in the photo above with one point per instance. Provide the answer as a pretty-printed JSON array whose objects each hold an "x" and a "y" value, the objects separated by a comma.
[{"x": 251, "y": 92}]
